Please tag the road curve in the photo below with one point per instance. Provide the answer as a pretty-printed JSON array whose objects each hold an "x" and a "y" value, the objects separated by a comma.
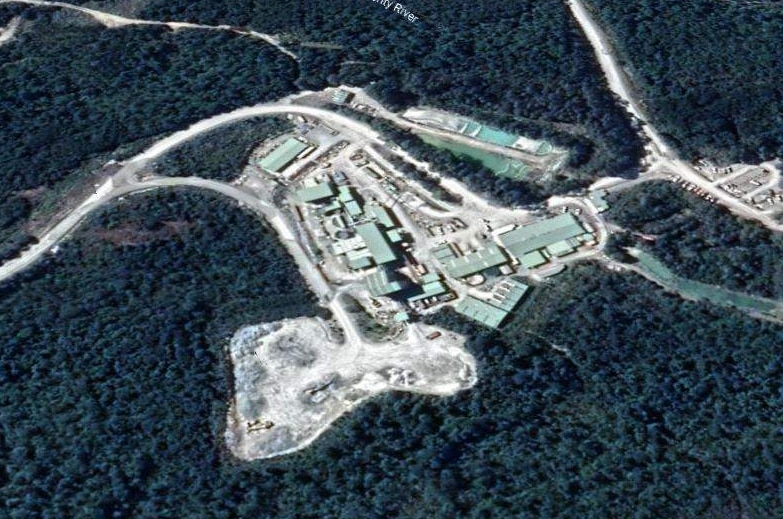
[{"x": 114, "y": 20}]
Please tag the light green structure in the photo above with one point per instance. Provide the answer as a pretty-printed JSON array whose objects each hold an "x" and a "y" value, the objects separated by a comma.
[
  {"x": 444, "y": 253},
  {"x": 283, "y": 155},
  {"x": 345, "y": 194},
  {"x": 360, "y": 262},
  {"x": 316, "y": 193},
  {"x": 394, "y": 236},
  {"x": 508, "y": 294},
  {"x": 598, "y": 200},
  {"x": 431, "y": 289},
  {"x": 505, "y": 297},
  {"x": 381, "y": 214},
  {"x": 478, "y": 261},
  {"x": 353, "y": 208},
  {"x": 381, "y": 283},
  {"x": 380, "y": 248},
  {"x": 402, "y": 317},
  {"x": 561, "y": 248},
  {"x": 542, "y": 234},
  {"x": 480, "y": 311},
  {"x": 532, "y": 259}
]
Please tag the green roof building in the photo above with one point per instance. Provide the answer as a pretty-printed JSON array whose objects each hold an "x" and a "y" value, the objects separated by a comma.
[
  {"x": 353, "y": 208},
  {"x": 345, "y": 194},
  {"x": 532, "y": 259},
  {"x": 283, "y": 155},
  {"x": 381, "y": 283},
  {"x": 508, "y": 294},
  {"x": 380, "y": 248},
  {"x": 316, "y": 193},
  {"x": 444, "y": 253},
  {"x": 381, "y": 214},
  {"x": 360, "y": 262},
  {"x": 394, "y": 236},
  {"x": 541, "y": 234},
  {"x": 598, "y": 200},
  {"x": 561, "y": 248},
  {"x": 488, "y": 257},
  {"x": 480, "y": 311}
]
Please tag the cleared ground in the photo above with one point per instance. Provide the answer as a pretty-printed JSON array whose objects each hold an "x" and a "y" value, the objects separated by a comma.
[{"x": 292, "y": 380}]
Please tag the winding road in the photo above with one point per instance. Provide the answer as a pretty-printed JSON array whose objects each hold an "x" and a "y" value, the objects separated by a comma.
[
  {"x": 661, "y": 156},
  {"x": 113, "y": 20}
]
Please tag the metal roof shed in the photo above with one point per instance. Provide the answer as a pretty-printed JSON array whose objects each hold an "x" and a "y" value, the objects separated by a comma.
[
  {"x": 475, "y": 262},
  {"x": 316, "y": 193},
  {"x": 283, "y": 155},
  {"x": 376, "y": 241}
]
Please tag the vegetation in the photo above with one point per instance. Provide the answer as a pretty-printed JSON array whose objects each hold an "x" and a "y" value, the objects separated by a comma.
[
  {"x": 698, "y": 240},
  {"x": 73, "y": 90},
  {"x": 704, "y": 73},
  {"x": 114, "y": 382},
  {"x": 524, "y": 66},
  {"x": 221, "y": 153}
]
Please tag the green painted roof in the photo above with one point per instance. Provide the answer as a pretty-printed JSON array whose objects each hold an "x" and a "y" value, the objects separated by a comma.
[
  {"x": 541, "y": 234},
  {"x": 443, "y": 253},
  {"x": 381, "y": 214},
  {"x": 560, "y": 248},
  {"x": 394, "y": 235},
  {"x": 508, "y": 294},
  {"x": 283, "y": 155},
  {"x": 345, "y": 194},
  {"x": 316, "y": 192},
  {"x": 331, "y": 207},
  {"x": 377, "y": 242},
  {"x": 480, "y": 311},
  {"x": 360, "y": 262},
  {"x": 430, "y": 277},
  {"x": 432, "y": 289},
  {"x": 353, "y": 208},
  {"x": 597, "y": 197},
  {"x": 380, "y": 283},
  {"x": 402, "y": 317},
  {"x": 490, "y": 256},
  {"x": 533, "y": 259}
]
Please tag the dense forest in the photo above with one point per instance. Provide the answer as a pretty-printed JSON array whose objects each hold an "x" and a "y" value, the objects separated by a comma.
[
  {"x": 114, "y": 382},
  {"x": 699, "y": 240},
  {"x": 524, "y": 66},
  {"x": 221, "y": 153},
  {"x": 705, "y": 72},
  {"x": 71, "y": 91}
]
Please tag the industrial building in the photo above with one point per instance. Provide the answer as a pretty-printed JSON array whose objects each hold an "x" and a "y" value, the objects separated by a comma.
[
  {"x": 480, "y": 311},
  {"x": 377, "y": 242},
  {"x": 553, "y": 237},
  {"x": 505, "y": 297},
  {"x": 340, "y": 96},
  {"x": 475, "y": 262},
  {"x": 285, "y": 154},
  {"x": 316, "y": 193},
  {"x": 431, "y": 286},
  {"x": 383, "y": 282}
]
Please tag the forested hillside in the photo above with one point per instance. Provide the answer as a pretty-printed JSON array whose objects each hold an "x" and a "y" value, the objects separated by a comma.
[
  {"x": 113, "y": 385},
  {"x": 71, "y": 90},
  {"x": 707, "y": 72},
  {"x": 522, "y": 65},
  {"x": 701, "y": 241},
  {"x": 221, "y": 153}
]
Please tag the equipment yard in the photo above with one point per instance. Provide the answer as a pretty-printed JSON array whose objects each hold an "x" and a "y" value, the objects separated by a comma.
[{"x": 294, "y": 378}]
